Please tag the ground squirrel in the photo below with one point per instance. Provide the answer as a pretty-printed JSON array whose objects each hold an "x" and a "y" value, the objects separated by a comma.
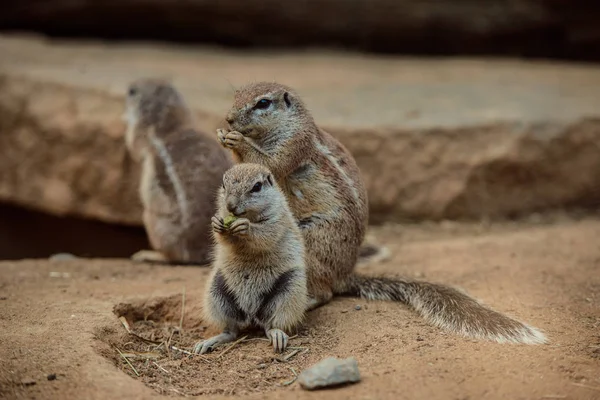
[
  {"x": 270, "y": 125},
  {"x": 181, "y": 172},
  {"x": 258, "y": 277}
]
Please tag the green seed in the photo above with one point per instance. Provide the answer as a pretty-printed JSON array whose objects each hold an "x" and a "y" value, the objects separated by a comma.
[{"x": 228, "y": 220}]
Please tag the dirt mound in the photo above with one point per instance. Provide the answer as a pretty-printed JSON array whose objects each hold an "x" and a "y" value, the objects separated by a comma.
[{"x": 157, "y": 347}]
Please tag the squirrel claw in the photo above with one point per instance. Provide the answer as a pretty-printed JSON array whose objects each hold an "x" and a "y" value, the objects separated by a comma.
[
  {"x": 233, "y": 139},
  {"x": 221, "y": 133},
  {"x": 217, "y": 224},
  {"x": 240, "y": 227},
  {"x": 279, "y": 339},
  {"x": 207, "y": 345}
]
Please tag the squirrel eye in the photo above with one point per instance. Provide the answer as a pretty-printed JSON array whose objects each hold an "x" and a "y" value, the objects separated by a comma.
[
  {"x": 256, "y": 188},
  {"x": 132, "y": 91},
  {"x": 263, "y": 104}
]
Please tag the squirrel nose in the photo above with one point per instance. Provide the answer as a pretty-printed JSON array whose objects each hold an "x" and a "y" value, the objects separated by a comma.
[
  {"x": 232, "y": 208},
  {"x": 230, "y": 119}
]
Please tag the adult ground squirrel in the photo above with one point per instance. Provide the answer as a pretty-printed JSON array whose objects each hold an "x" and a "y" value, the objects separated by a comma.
[
  {"x": 181, "y": 172},
  {"x": 270, "y": 125},
  {"x": 258, "y": 277}
]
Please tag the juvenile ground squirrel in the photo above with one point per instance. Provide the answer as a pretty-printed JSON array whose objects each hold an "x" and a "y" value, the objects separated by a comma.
[
  {"x": 270, "y": 125},
  {"x": 181, "y": 172},
  {"x": 258, "y": 277}
]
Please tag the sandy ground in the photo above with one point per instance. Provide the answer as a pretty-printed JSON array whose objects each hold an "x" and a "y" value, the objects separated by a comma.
[{"x": 545, "y": 272}]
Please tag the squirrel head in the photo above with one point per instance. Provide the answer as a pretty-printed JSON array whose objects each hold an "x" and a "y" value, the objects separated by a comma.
[
  {"x": 250, "y": 191},
  {"x": 263, "y": 108},
  {"x": 155, "y": 105}
]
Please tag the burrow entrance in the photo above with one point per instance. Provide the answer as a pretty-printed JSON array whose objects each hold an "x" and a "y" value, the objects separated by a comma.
[
  {"x": 155, "y": 352},
  {"x": 26, "y": 233}
]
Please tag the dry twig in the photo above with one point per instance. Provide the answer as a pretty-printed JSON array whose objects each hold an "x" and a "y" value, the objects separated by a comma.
[
  {"x": 155, "y": 363},
  {"x": 586, "y": 386},
  {"x": 232, "y": 346},
  {"x": 292, "y": 380},
  {"x": 290, "y": 355},
  {"x": 154, "y": 342},
  {"x": 125, "y": 358}
]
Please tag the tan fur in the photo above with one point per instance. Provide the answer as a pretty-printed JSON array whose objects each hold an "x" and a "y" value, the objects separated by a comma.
[
  {"x": 258, "y": 277},
  {"x": 270, "y": 125},
  {"x": 316, "y": 172},
  {"x": 181, "y": 171}
]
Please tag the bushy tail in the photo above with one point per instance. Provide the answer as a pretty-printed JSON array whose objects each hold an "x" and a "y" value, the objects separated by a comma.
[{"x": 446, "y": 308}]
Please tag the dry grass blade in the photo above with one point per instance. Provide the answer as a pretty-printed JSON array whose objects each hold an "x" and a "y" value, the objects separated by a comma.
[
  {"x": 291, "y": 380},
  {"x": 182, "y": 309},
  {"x": 232, "y": 346},
  {"x": 146, "y": 356},
  {"x": 161, "y": 368},
  {"x": 125, "y": 358},
  {"x": 125, "y": 324},
  {"x": 155, "y": 342},
  {"x": 189, "y": 353}
]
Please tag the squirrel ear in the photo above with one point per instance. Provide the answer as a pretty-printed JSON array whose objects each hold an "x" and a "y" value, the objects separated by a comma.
[
  {"x": 270, "y": 179},
  {"x": 286, "y": 98}
]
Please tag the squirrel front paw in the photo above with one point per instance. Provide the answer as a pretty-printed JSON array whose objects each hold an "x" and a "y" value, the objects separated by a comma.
[
  {"x": 221, "y": 133},
  {"x": 231, "y": 140},
  {"x": 240, "y": 227},
  {"x": 218, "y": 225},
  {"x": 279, "y": 340}
]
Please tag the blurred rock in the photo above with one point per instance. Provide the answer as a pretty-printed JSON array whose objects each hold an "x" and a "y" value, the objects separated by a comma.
[
  {"x": 555, "y": 28},
  {"x": 62, "y": 257},
  {"x": 330, "y": 372},
  {"x": 434, "y": 139}
]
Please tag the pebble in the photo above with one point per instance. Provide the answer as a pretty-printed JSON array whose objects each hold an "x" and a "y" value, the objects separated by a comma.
[
  {"x": 62, "y": 257},
  {"x": 357, "y": 307},
  {"x": 27, "y": 382},
  {"x": 329, "y": 372},
  {"x": 56, "y": 274},
  {"x": 51, "y": 377}
]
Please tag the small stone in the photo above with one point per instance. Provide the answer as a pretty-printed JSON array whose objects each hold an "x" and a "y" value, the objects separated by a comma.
[
  {"x": 330, "y": 372},
  {"x": 420, "y": 339},
  {"x": 28, "y": 382},
  {"x": 357, "y": 308},
  {"x": 261, "y": 366},
  {"x": 51, "y": 377},
  {"x": 62, "y": 257},
  {"x": 56, "y": 274}
]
